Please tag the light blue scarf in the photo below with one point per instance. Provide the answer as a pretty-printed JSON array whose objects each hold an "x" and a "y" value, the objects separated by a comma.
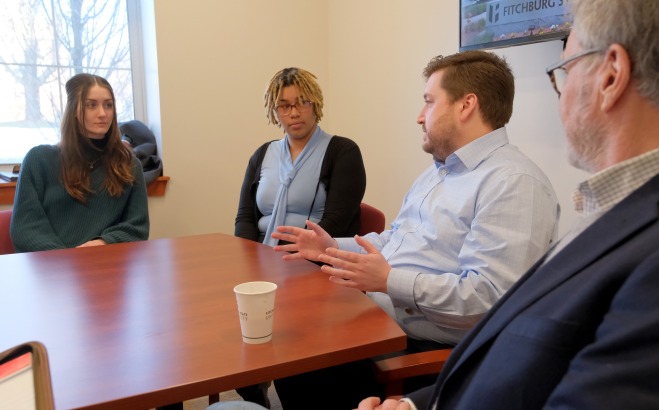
[{"x": 287, "y": 171}]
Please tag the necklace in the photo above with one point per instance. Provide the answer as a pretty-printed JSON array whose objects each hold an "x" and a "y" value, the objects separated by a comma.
[{"x": 92, "y": 163}]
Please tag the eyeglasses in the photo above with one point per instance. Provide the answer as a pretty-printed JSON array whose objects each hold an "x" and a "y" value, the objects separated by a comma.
[
  {"x": 558, "y": 73},
  {"x": 285, "y": 109}
]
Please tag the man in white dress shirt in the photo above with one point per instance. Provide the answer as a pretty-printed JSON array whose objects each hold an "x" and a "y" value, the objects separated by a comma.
[{"x": 473, "y": 222}]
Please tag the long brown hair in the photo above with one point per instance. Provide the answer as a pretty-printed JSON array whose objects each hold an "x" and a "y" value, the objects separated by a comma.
[{"x": 116, "y": 157}]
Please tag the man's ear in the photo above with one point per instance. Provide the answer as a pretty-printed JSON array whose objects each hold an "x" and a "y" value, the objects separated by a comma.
[
  {"x": 614, "y": 77},
  {"x": 468, "y": 106}
]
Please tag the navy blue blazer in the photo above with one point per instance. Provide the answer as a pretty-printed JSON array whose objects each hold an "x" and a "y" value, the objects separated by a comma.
[{"x": 580, "y": 332}]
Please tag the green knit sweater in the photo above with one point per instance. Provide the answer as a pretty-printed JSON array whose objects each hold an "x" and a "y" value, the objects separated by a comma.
[{"x": 45, "y": 216}]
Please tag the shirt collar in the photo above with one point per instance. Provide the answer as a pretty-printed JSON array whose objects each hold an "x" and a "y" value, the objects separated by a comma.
[
  {"x": 605, "y": 189},
  {"x": 476, "y": 151}
]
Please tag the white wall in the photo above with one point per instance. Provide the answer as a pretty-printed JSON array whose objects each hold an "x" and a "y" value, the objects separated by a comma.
[
  {"x": 377, "y": 51},
  {"x": 535, "y": 126},
  {"x": 215, "y": 59}
]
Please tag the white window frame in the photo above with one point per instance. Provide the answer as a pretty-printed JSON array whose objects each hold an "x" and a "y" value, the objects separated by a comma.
[{"x": 137, "y": 11}]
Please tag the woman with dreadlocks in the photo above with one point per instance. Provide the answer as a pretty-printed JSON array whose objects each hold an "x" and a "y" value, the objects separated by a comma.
[
  {"x": 89, "y": 189},
  {"x": 307, "y": 175}
]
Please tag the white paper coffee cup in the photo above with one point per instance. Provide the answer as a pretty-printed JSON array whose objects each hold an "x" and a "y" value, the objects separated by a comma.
[{"x": 256, "y": 308}]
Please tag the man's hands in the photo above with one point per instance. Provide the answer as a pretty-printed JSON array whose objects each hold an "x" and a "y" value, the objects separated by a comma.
[
  {"x": 373, "y": 403},
  {"x": 308, "y": 243},
  {"x": 367, "y": 272},
  {"x": 93, "y": 242}
]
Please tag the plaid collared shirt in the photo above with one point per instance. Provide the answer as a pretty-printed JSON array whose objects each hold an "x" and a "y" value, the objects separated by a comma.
[{"x": 602, "y": 191}]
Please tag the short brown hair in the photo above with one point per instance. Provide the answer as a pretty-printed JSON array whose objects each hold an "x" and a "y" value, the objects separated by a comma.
[{"x": 482, "y": 73}]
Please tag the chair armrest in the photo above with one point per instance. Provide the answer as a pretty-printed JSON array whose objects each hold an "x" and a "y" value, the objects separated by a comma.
[{"x": 410, "y": 365}]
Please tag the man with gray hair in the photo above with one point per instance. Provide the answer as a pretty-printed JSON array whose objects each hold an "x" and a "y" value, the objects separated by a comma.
[{"x": 581, "y": 329}]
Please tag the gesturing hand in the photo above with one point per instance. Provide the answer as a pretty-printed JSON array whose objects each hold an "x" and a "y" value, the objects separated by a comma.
[
  {"x": 308, "y": 243},
  {"x": 367, "y": 272}
]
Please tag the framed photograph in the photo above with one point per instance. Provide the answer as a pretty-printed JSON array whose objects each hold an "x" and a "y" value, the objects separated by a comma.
[
  {"x": 25, "y": 378},
  {"x": 501, "y": 23}
]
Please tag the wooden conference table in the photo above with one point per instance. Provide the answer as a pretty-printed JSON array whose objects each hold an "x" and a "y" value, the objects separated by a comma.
[{"x": 140, "y": 325}]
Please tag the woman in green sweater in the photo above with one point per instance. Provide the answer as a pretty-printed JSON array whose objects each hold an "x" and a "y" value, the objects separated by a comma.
[{"x": 89, "y": 189}]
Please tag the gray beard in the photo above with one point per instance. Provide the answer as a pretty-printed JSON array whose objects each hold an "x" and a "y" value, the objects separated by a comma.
[{"x": 585, "y": 154}]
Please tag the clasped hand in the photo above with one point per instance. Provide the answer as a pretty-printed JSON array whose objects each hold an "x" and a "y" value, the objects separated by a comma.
[
  {"x": 367, "y": 272},
  {"x": 93, "y": 242},
  {"x": 373, "y": 403}
]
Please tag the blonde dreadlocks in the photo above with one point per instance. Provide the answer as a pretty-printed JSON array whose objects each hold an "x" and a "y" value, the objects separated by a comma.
[{"x": 306, "y": 84}]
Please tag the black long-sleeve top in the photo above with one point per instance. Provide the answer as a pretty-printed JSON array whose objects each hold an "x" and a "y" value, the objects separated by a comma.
[{"x": 343, "y": 175}]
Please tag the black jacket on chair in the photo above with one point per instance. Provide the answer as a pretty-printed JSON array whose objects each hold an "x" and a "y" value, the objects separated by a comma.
[{"x": 144, "y": 147}]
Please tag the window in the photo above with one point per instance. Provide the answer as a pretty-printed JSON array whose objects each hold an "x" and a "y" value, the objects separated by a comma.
[{"x": 43, "y": 43}]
